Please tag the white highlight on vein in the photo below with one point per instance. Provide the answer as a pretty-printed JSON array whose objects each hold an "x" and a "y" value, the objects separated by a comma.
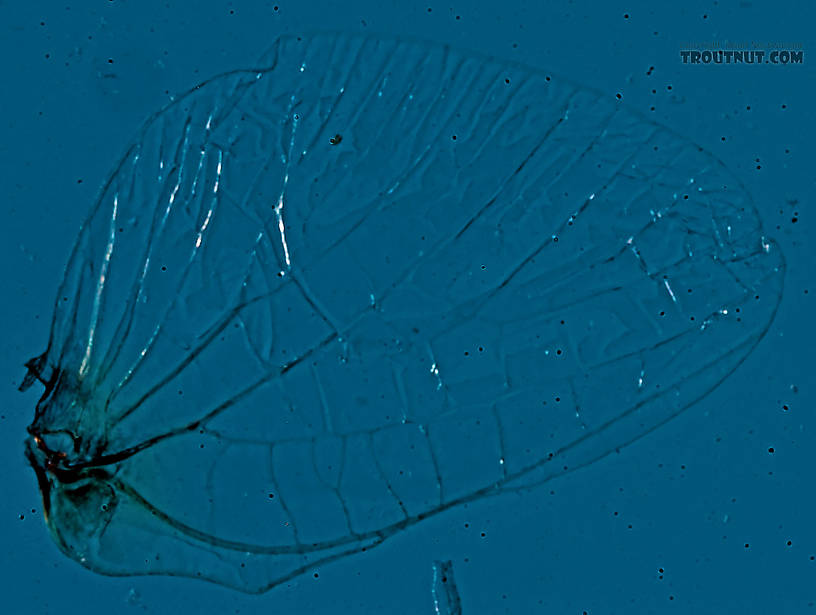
[
  {"x": 279, "y": 206},
  {"x": 434, "y": 583},
  {"x": 435, "y": 369},
  {"x": 146, "y": 266},
  {"x": 218, "y": 173},
  {"x": 671, "y": 292},
  {"x": 206, "y": 223},
  {"x": 282, "y": 228},
  {"x": 100, "y": 287}
]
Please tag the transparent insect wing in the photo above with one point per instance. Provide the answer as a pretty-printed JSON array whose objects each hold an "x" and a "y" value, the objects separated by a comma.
[{"x": 272, "y": 346}]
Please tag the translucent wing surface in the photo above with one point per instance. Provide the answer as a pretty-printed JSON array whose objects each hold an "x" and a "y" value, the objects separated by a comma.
[{"x": 364, "y": 282}]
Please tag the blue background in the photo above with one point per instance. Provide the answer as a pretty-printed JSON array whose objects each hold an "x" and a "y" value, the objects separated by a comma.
[{"x": 686, "y": 500}]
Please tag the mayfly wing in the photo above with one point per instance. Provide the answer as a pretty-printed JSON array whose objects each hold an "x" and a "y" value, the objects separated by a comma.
[{"x": 369, "y": 280}]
